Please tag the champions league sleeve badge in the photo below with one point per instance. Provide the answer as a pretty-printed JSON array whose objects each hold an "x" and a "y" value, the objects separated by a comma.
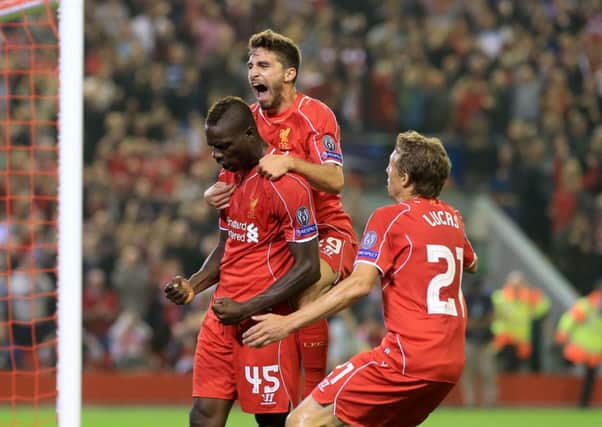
[
  {"x": 331, "y": 146},
  {"x": 329, "y": 143},
  {"x": 303, "y": 218},
  {"x": 369, "y": 239},
  {"x": 368, "y": 242},
  {"x": 302, "y": 215}
]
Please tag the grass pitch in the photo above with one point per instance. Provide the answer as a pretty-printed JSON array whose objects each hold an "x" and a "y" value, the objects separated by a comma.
[{"x": 177, "y": 416}]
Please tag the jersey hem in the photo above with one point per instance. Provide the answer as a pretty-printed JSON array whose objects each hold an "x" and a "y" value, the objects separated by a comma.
[{"x": 213, "y": 396}]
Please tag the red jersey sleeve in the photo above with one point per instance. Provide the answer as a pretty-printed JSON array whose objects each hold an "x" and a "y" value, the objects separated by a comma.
[
  {"x": 325, "y": 146},
  {"x": 469, "y": 256},
  {"x": 374, "y": 248},
  {"x": 294, "y": 202}
]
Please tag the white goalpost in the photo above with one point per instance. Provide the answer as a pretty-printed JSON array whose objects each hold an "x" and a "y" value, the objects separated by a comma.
[
  {"x": 25, "y": 49},
  {"x": 71, "y": 48}
]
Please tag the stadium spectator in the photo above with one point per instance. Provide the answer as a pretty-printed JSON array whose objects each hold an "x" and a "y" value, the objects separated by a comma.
[
  {"x": 131, "y": 280},
  {"x": 574, "y": 249},
  {"x": 304, "y": 138},
  {"x": 480, "y": 354},
  {"x": 129, "y": 341},
  {"x": 405, "y": 244},
  {"x": 33, "y": 304},
  {"x": 265, "y": 220},
  {"x": 580, "y": 333},
  {"x": 517, "y": 304},
  {"x": 100, "y": 306}
]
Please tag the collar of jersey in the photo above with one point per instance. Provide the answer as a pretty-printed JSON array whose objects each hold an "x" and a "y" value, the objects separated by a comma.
[
  {"x": 243, "y": 176},
  {"x": 284, "y": 115}
]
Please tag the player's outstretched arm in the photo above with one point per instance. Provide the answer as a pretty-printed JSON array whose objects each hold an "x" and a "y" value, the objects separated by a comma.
[
  {"x": 218, "y": 195},
  {"x": 324, "y": 177},
  {"x": 304, "y": 272},
  {"x": 182, "y": 291},
  {"x": 273, "y": 328}
]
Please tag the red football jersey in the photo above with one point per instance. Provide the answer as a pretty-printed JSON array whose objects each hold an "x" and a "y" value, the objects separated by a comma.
[
  {"x": 420, "y": 248},
  {"x": 309, "y": 130},
  {"x": 262, "y": 218}
]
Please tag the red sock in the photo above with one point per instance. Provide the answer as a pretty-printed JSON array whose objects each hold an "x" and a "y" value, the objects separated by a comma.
[{"x": 313, "y": 345}]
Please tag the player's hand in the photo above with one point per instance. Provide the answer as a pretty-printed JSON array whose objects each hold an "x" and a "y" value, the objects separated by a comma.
[
  {"x": 228, "y": 311},
  {"x": 179, "y": 290},
  {"x": 271, "y": 328},
  {"x": 273, "y": 166},
  {"x": 218, "y": 195}
]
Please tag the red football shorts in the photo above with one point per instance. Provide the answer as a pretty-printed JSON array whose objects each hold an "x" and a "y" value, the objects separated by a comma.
[
  {"x": 338, "y": 249},
  {"x": 263, "y": 380},
  {"x": 367, "y": 391}
]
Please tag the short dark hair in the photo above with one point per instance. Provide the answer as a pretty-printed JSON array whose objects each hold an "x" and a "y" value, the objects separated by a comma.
[
  {"x": 242, "y": 113},
  {"x": 286, "y": 49},
  {"x": 425, "y": 161}
]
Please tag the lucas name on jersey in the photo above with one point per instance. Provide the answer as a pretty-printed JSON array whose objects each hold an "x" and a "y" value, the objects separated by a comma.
[
  {"x": 437, "y": 218},
  {"x": 242, "y": 231}
]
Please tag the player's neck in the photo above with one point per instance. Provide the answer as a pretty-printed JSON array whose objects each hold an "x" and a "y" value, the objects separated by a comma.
[
  {"x": 405, "y": 195},
  {"x": 244, "y": 173},
  {"x": 287, "y": 100},
  {"x": 252, "y": 159}
]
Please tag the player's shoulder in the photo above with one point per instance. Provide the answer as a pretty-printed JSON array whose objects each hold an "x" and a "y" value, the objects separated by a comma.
[
  {"x": 290, "y": 181},
  {"x": 315, "y": 110},
  {"x": 453, "y": 210},
  {"x": 392, "y": 212},
  {"x": 449, "y": 207},
  {"x": 435, "y": 204}
]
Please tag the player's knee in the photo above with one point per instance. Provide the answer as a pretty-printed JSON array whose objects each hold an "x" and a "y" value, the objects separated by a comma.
[
  {"x": 203, "y": 415},
  {"x": 197, "y": 417},
  {"x": 270, "y": 420}
]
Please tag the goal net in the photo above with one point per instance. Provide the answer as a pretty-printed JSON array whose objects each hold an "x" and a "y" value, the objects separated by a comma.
[{"x": 33, "y": 276}]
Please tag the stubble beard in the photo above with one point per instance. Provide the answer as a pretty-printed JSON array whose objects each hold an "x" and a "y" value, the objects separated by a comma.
[{"x": 274, "y": 103}]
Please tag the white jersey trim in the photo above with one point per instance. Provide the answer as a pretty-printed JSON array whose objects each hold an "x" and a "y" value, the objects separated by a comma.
[
  {"x": 403, "y": 354},
  {"x": 291, "y": 403},
  {"x": 403, "y": 264},
  {"x": 287, "y": 210},
  {"x": 315, "y": 236},
  {"x": 389, "y": 229},
  {"x": 316, "y": 132},
  {"x": 361, "y": 261},
  {"x": 351, "y": 375}
]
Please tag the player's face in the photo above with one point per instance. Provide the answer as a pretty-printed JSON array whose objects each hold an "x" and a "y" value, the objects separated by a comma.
[
  {"x": 266, "y": 76},
  {"x": 394, "y": 187},
  {"x": 228, "y": 148}
]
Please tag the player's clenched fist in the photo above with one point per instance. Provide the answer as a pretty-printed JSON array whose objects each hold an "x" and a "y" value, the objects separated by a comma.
[
  {"x": 218, "y": 195},
  {"x": 273, "y": 166},
  {"x": 179, "y": 290}
]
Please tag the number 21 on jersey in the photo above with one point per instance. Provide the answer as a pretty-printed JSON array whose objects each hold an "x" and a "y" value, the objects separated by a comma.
[{"x": 441, "y": 253}]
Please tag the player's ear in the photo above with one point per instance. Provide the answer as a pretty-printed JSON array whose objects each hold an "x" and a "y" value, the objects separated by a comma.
[
  {"x": 290, "y": 74},
  {"x": 405, "y": 180}
]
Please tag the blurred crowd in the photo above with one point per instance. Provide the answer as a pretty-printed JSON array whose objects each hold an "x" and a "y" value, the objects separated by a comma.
[{"x": 513, "y": 88}]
